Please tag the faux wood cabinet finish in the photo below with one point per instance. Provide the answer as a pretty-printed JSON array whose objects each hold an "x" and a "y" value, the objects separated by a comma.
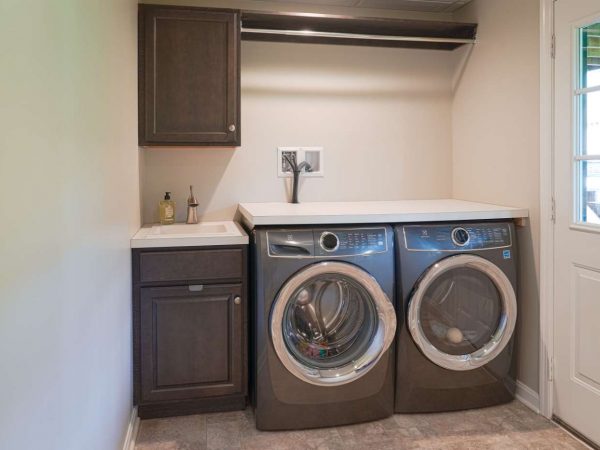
[
  {"x": 190, "y": 342},
  {"x": 205, "y": 265},
  {"x": 189, "y": 330},
  {"x": 189, "y": 75}
]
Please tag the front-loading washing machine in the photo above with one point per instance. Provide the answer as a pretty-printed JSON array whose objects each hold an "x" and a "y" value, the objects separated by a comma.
[
  {"x": 323, "y": 326},
  {"x": 457, "y": 311}
]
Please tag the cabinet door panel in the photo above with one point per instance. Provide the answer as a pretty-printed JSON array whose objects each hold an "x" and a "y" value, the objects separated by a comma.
[
  {"x": 190, "y": 77},
  {"x": 191, "y": 342}
]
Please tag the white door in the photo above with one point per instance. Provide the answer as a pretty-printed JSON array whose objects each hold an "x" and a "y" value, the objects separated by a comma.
[{"x": 577, "y": 231}]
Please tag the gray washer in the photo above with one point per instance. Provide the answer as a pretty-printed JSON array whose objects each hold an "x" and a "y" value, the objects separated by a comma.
[
  {"x": 457, "y": 312},
  {"x": 323, "y": 326}
]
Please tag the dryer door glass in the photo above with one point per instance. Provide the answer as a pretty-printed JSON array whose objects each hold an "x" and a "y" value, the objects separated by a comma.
[
  {"x": 331, "y": 322},
  {"x": 463, "y": 312},
  {"x": 460, "y": 311}
]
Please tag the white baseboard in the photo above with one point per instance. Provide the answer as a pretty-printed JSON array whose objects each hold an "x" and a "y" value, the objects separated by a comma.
[
  {"x": 132, "y": 430},
  {"x": 528, "y": 397}
]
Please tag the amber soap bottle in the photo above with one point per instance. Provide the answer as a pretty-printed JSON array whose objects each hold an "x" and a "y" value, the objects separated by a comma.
[{"x": 166, "y": 210}]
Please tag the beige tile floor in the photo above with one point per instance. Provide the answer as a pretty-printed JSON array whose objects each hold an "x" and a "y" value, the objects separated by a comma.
[{"x": 511, "y": 426}]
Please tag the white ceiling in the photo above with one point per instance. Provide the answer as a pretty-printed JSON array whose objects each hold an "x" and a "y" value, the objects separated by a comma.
[{"x": 399, "y": 5}]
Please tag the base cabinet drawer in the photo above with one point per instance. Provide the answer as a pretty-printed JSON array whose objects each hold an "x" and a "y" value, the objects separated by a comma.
[
  {"x": 191, "y": 342},
  {"x": 182, "y": 265}
]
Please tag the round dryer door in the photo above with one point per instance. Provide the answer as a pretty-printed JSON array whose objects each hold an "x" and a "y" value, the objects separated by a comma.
[
  {"x": 463, "y": 312},
  {"x": 331, "y": 323}
]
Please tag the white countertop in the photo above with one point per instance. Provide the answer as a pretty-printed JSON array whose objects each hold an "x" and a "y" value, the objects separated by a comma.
[
  {"x": 403, "y": 211},
  {"x": 194, "y": 235}
]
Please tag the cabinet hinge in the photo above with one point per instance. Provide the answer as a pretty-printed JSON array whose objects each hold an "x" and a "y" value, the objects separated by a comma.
[
  {"x": 551, "y": 369},
  {"x": 553, "y": 47},
  {"x": 553, "y": 211}
]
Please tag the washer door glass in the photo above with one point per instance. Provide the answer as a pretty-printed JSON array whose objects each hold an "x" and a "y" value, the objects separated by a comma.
[
  {"x": 463, "y": 312},
  {"x": 331, "y": 322}
]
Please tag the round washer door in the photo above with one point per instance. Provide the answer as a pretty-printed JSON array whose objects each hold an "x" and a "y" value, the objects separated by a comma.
[
  {"x": 330, "y": 323},
  {"x": 463, "y": 312}
]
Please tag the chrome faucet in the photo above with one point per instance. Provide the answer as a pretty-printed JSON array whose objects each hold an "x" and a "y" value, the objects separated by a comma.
[{"x": 192, "y": 213}]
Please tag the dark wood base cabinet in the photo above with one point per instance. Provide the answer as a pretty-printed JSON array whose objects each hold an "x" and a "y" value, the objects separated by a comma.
[{"x": 190, "y": 326}]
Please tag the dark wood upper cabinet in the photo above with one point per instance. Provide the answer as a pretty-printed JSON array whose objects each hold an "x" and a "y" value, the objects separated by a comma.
[{"x": 189, "y": 74}]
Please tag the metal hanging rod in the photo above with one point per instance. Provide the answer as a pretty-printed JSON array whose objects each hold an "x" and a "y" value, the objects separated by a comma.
[{"x": 370, "y": 37}]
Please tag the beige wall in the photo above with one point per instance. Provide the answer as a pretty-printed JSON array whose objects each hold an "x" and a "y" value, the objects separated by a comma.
[
  {"x": 382, "y": 115},
  {"x": 69, "y": 183},
  {"x": 495, "y": 125}
]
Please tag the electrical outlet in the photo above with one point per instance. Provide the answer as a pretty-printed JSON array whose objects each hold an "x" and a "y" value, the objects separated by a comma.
[{"x": 312, "y": 155}]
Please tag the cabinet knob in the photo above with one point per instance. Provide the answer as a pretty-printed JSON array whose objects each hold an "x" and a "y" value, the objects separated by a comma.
[
  {"x": 232, "y": 128},
  {"x": 237, "y": 300}
]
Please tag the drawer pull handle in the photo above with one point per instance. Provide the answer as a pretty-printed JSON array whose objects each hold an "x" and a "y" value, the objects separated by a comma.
[
  {"x": 237, "y": 300},
  {"x": 196, "y": 287}
]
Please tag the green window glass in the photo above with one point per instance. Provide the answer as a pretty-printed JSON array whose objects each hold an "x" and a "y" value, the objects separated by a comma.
[{"x": 587, "y": 150}]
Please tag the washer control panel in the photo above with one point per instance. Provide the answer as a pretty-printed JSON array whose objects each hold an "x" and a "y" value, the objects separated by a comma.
[
  {"x": 335, "y": 242},
  {"x": 349, "y": 242},
  {"x": 329, "y": 241},
  {"x": 457, "y": 237}
]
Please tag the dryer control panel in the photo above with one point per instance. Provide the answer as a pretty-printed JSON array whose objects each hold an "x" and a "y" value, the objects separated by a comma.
[{"x": 457, "y": 237}]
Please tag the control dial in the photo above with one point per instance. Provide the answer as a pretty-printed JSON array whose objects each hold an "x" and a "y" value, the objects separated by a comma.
[
  {"x": 329, "y": 242},
  {"x": 460, "y": 237}
]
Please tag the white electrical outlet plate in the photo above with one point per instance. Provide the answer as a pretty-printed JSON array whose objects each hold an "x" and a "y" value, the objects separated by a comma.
[{"x": 312, "y": 155}]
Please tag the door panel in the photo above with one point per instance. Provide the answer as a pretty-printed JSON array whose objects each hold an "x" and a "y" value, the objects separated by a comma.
[
  {"x": 463, "y": 312},
  {"x": 585, "y": 314},
  {"x": 191, "y": 342},
  {"x": 577, "y": 231}
]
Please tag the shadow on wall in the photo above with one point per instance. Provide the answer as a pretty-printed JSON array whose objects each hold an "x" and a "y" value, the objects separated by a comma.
[
  {"x": 528, "y": 294},
  {"x": 356, "y": 89},
  {"x": 174, "y": 169},
  {"x": 270, "y": 68}
]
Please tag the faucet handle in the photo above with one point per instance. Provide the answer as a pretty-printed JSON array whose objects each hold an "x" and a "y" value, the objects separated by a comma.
[{"x": 192, "y": 199}]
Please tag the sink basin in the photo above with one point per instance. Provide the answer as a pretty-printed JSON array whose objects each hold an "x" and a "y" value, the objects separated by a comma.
[
  {"x": 189, "y": 235},
  {"x": 198, "y": 229}
]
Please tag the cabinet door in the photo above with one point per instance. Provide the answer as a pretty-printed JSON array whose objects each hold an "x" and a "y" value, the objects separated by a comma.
[
  {"x": 191, "y": 342},
  {"x": 189, "y": 76}
]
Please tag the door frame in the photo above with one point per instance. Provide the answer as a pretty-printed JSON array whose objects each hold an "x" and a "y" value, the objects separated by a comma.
[{"x": 547, "y": 213}]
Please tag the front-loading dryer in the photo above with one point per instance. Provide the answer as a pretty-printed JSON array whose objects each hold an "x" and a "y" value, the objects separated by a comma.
[
  {"x": 323, "y": 326},
  {"x": 457, "y": 311}
]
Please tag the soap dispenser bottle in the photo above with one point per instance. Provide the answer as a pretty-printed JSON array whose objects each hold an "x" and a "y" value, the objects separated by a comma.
[{"x": 166, "y": 210}]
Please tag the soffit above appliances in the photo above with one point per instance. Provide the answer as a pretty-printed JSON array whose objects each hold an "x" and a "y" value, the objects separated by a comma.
[
  {"x": 350, "y": 30},
  {"x": 433, "y": 6}
]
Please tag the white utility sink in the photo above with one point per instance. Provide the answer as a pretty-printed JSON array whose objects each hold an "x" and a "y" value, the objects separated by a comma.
[
  {"x": 183, "y": 229},
  {"x": 189, "y": 235}
]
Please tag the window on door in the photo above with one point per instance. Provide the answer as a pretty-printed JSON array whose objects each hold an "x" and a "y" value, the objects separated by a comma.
[{"x": 587, "y": 150}]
